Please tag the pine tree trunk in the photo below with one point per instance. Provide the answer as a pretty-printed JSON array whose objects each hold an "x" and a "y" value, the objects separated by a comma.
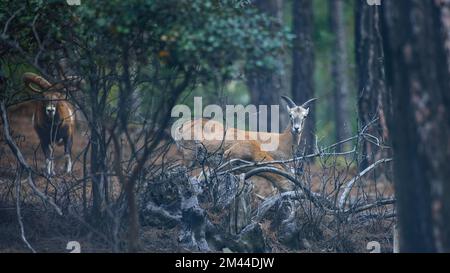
[
  {"x": 265, "y": 86},
  {"x": 339, "y": 72},
  {"x": 417, "y": 71},
  {"x": 303, "y": 65},
  {"x": 372, "y": 94}
]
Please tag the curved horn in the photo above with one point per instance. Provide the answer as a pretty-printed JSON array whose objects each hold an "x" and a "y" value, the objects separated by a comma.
[
  {"x": 31, "y": 78},
  {"x": 289, "y": 102},
  {"x": 308, "y": 101}
]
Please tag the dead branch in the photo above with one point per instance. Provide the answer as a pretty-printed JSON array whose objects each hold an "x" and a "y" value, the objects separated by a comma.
[
  {"x": 316, "y": 198},
  {"x": 349, "y": 184},
  {"x": 378, "y": 203},
  {"x": 19, "y": 216},
  {"x": 270, "y": 202},
  {"x": 158, "y": 210}
]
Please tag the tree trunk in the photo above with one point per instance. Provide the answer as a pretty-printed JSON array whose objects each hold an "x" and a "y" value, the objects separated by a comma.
[
  {"x": 98, "y": 180},
  {"x": 303, "y": 64},
  {"x": 98, "y": 168},
  {"x": 265, "y": 86},
  {"x": 372, "y": 94},
  {"x": 417, "y": 71},
  {"x": 339, "y": 72},
  {"x": 2, "y": 82}
]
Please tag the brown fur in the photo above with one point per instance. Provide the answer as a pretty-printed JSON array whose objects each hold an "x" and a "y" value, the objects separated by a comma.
[{"x": 52, "y": 129}]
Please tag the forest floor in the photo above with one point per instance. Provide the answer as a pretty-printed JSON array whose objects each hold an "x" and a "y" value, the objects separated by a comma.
[{"x": 47, "y": 232}]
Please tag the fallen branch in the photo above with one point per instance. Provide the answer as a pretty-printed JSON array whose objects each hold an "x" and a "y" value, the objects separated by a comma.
[
  {"x": 271, "y": 201},
  {"x": 153, "y": 208},
  {"x": 378, "y": 203},
  {"x": 349, "y": 184},
  {"x": 316, "y": 198}
]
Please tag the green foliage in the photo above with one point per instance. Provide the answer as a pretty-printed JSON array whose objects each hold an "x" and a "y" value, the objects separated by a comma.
[
  {"x": 216, "y": 40},
  {"x": 211, "y": 35}
]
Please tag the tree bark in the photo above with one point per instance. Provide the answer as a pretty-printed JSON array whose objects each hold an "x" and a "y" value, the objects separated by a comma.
[
  {"x": 303, "y": 65},
  {"x": 98, "y": 168},
  {"x": 417, "y": 71},
  {"x": 2, "y": 82},
  {"x": 372, "y": 95},
  {"x": 264, "y": 85},
  {"x": 339, "y": 71}
]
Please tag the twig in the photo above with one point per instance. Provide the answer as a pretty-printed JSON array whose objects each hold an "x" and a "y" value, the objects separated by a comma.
[
  {"x": 5, "y": 29},
  {"x": 19, "y": 216}
]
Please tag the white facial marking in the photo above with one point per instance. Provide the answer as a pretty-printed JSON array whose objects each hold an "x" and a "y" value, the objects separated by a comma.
[{"x": 50, "y": 110}]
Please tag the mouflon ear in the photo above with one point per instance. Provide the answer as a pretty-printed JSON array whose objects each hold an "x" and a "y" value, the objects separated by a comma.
[{"x": 306, "y": 111}]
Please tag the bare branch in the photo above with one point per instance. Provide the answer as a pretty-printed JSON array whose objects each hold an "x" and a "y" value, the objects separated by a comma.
[
  {"x": 5, "y": 29},
  {"x": 316, "y": 198},
  {"x": 378, "y": 203},
  {"x": 19, "y": 216},
  {"x": 349, "y": 184}
]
